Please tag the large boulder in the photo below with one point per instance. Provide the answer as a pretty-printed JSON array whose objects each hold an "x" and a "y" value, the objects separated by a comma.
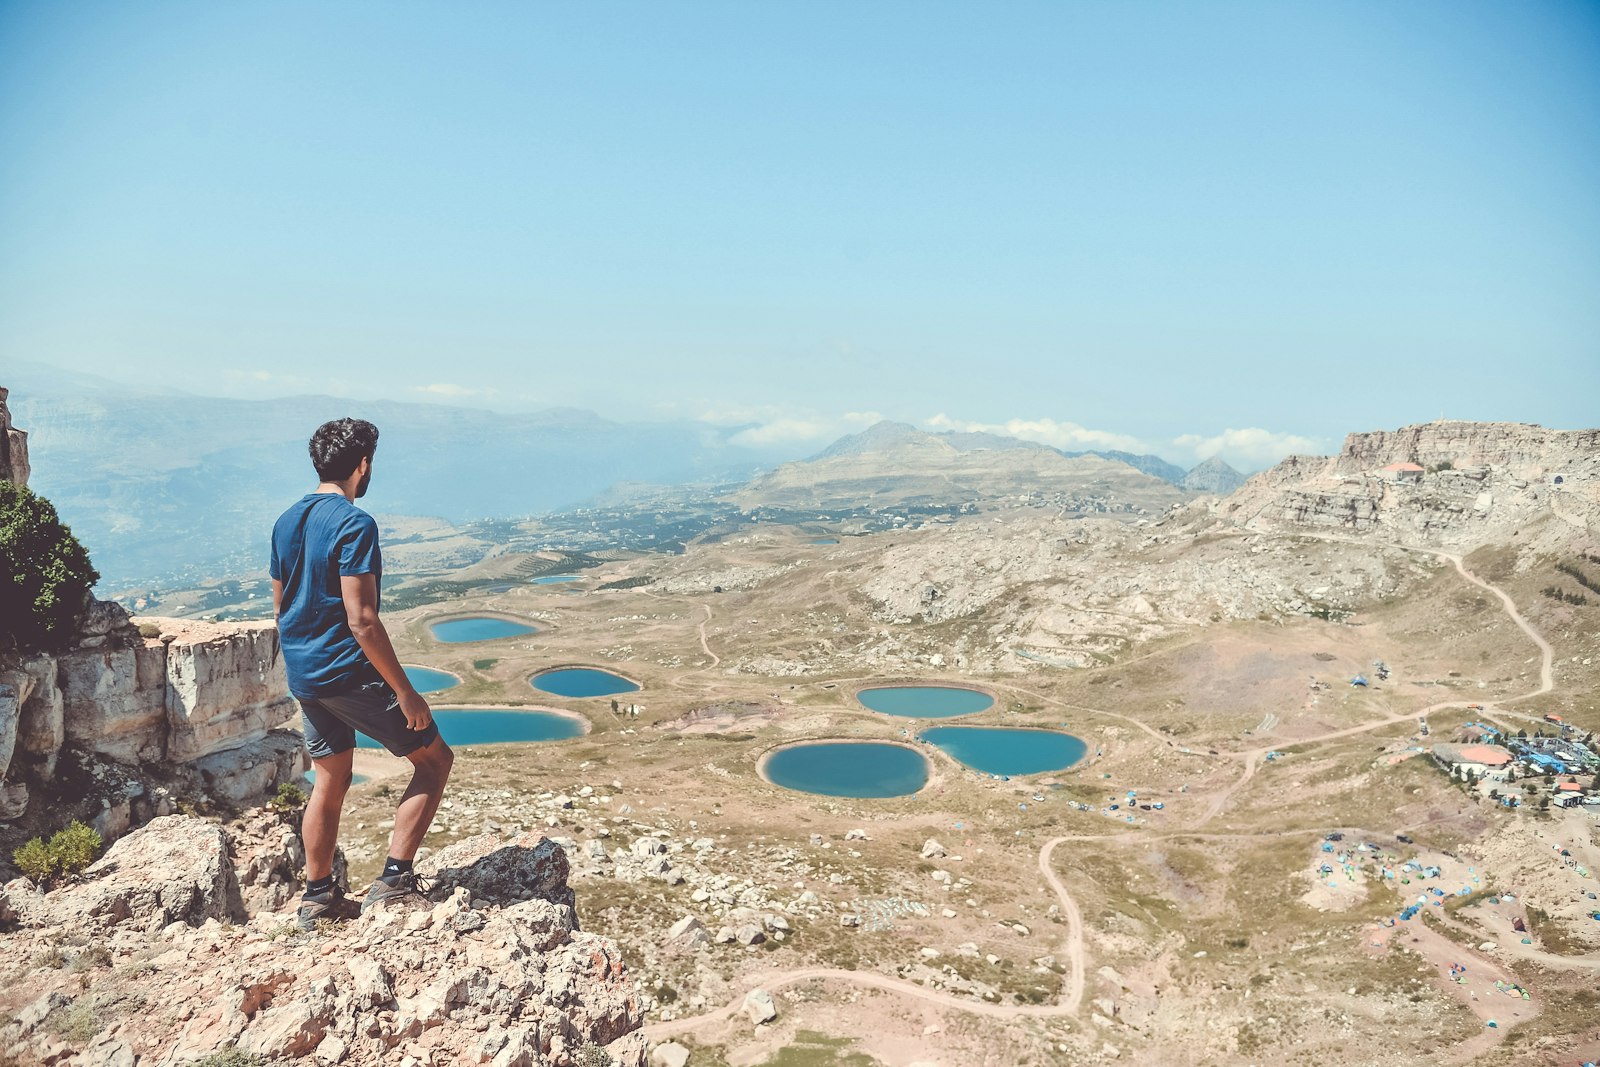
[
  {"x": 528, "y": 867},
  {"x": 172, "y": 869}
]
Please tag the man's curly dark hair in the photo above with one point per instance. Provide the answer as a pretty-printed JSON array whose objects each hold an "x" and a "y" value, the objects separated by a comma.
[{"x": 338, "y": 447}]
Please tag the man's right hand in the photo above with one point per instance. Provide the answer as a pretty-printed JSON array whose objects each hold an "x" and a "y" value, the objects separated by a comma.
[{"x": 415, "y": 709}]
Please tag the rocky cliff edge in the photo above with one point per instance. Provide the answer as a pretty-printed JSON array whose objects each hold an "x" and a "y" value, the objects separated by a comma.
[
  {"x": 1439, "y": 484},
  {"x": 134, "y": 701},
  {"x": 153, "y": 959}
]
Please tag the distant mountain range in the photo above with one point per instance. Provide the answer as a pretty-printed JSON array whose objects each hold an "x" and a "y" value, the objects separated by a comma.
[{"x": 894, "y": 464}]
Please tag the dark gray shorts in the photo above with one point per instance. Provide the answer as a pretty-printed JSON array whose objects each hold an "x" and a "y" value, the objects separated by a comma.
[{"x": 331, "y": 722}]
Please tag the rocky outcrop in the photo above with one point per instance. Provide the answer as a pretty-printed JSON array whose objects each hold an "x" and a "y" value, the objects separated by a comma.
[
  {"x": 1214, "y": 476},
  {"x": 13, "y": 447},
  {"x": 173, "y": 870},
  {"x": 1479, "y": 482},
  {"x": 198, "y": 699},
  {"x": 497, "y": 974}
]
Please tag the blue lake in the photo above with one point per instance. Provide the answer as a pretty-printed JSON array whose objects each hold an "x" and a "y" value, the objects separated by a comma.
[
  {"x": 925, "y": 701},
  {"x": 825, "y": 541},
  {"x": 866, "y": 769},
  {"x": 581, "y": 682},
  {"x": 355, "y": 779},
  {"x": 1007, "y": 751},
  {"x": 478, "y": 628},
  {"x": 557, "y": 579},
  {"x": 428, "y": 680},
  {"x": 487, "y": 726}
]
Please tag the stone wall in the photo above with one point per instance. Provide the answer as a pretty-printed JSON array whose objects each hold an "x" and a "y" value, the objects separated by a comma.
[{"x": 13, "y": 447}]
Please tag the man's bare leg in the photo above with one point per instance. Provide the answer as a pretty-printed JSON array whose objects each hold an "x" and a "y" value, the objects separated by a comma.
[
  {"x": 430, "y": 769},
  {"x": 319, "y": 827}
]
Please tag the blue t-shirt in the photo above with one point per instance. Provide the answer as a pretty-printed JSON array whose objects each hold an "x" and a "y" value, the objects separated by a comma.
[{"x": 321, "y": 538}]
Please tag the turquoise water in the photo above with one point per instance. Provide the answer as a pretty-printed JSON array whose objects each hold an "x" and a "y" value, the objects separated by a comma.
[
  {"x": 826, "y": 541},
  {"x": 487, "y": 726},
  {"x": 867, "y": 769},
  {"x": 355, "y": 779},
  {"x": 553, "y": 579},
  {"x": 478, "y": 628},
  {"x": 925, "y": 701},
  {"x": 581, "y": 682},
  {"x": 428, "y": 680},
  {"x": 1007, "y": 751}
]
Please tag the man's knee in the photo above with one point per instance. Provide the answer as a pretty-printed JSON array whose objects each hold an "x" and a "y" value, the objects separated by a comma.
[
  {"x": 436, "y": 759},
  {"x": 332, "y": 781}
]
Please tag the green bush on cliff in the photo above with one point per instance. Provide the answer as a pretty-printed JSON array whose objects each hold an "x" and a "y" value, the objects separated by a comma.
[
  {"x": 45, "y": 574},
  {"x": 67, "y": 853}
]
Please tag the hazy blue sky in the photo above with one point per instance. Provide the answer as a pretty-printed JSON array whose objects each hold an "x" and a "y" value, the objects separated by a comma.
[{"x": 1182, "y": 227}]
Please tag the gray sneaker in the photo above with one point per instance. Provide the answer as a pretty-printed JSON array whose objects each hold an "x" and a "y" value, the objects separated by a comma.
[
  {"x": 332, "y": 906},
  {"x": 408, "y": 890}
]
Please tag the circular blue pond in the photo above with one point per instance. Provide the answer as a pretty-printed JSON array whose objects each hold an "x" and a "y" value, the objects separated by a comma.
[
  {"x": 428, "y": 680},
  {"x": 478, "y": 628},
  {"x": 582, "y": 682},
  {"x": 925, "y": 701},
  {"x": 488, "y": 726},
  {"x": 1007, "y": 750},
  {"x": 557, "y": 579},
  {"x": 865, "y": 769}
]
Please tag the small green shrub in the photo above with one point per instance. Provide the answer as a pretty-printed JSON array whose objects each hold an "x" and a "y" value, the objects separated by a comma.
[
  {"x": 45, "y": 574},
  {"x": 76, "y": 1023},
  {"x": 592, "y": 1055},
  {"x": 290, "y": 797},
  {"x": 75, "y": 847},
  {"x": 231, "y": 1057},
  {"x": 34, "y": 860},
  {"x": 67, "y": 853},
  {"x": 149, "y": 629}
]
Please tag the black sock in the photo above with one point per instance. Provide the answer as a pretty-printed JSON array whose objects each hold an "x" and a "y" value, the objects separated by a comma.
[
  {"x": 318, "y": 886},
  {"x": 393, "y": 868}
]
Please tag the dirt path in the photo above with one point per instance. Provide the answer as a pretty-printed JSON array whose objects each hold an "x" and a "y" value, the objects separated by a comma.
[{"x": 705, "y": 646}]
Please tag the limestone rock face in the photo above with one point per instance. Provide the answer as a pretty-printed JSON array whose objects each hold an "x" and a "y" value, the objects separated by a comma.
[
  {"x": 13, "y": 447},
  {"x": 225, "y": 687},
  {"x": 206, "y": 696},
  {"x": 507, "y": 979},
  {"x": 114, "y": 701}
]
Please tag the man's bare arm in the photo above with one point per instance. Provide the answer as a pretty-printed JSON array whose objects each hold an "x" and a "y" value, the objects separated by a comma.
[
  {"x": 277, "y": 598},
  {"x": 360, "y": 592}
]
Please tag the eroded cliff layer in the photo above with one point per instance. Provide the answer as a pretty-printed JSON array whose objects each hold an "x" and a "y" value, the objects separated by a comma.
[{"x": 1448, "y": 484}]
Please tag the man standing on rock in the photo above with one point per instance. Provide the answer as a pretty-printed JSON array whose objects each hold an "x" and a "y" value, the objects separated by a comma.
[{"x": 326, "y": 569}]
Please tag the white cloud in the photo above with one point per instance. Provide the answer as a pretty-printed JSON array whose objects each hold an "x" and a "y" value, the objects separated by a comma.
[
  {"x": 1064, "y": 435},
  {"x": 775, "y": 430},
  {"x": 449, "y": 389},
  {"x": 1251, "y": 448}
]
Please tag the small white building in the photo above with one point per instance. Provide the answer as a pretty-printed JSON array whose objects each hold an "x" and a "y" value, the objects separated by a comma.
[{"x": 1402, "y": 472}]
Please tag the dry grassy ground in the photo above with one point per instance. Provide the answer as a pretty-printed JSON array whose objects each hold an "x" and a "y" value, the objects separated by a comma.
[{"x": 1204, "y": 936}]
